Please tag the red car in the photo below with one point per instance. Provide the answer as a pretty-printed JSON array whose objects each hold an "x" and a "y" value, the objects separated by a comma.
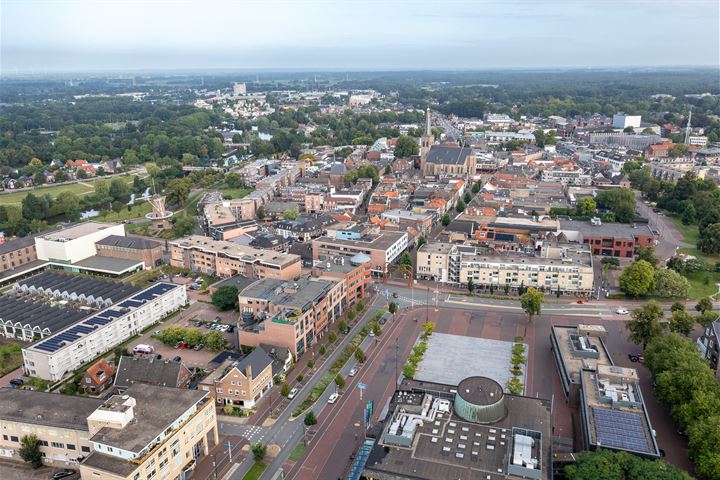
[{"x": 581, "y": 301}]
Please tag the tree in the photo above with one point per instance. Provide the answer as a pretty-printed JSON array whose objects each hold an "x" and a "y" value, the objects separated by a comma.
[
  {"x": 119, "y": 190},
  {"x": 406, "y": 146},
  {"x": 681, "y": 322},
  {"x": 670, "y": 284},
  {"x": 585, "y": 207},
  {"x": 117, "y": 207},
  {"x": 645, "y": 324},
  {"x": 515, "y": 386},
  {"x": 406, "y": 259},
  {"x": 460, "y": 206},
  {"x": 177, "y": 191},
  {"x": 214, "y": 341},
  {"x": 388, "y": 169},
  {"x": 339, "y": 381},
  {"x": 393, "y": 307},
  {"x": 360, "y": 355},
  {"x": 620, "y": 201},
  {"x": 467, "y": 197},
  {"x": 234, "y": 180},
  {"x": 342, "y": 326},
  {"x": 476, "y": 187},
  {"x": 704, "y": 305},
  {"x": 311, "y": 364},
  {"x": 193, "y": 337},
  {"x": 351, "y": 314},
  {"x": 637, "y": 279},
  {"x": 285, "y": 389},
  {"x": 470, "y": 285},
  {"x": 332, "y": 337},
  {"x": 183, "y": 225},
  {"x": 377, "y": 329},
  {"x": 648, "y": 254},
  {"x": 225, "y": 298},
  {"x": 677, "y": 306},
  {"x": 446, "y": 219},
  {"x": 531, "y": 303},
  {"x": 360, "y": 306},
  {"x": 30, "y": 450},
  {"x": 322, "y": 350},
  {"x": 290, "y": 214},
  {"x": 260, "y": 212},
  {"x": 421, "y": 241},
  {"x": 34, "y": 208},
  {"x": 310, "y": 419},
  {"x": 259, "y": 450},
  {"x": 709, "y": 242},
  {"x": 608, "y": 465}
]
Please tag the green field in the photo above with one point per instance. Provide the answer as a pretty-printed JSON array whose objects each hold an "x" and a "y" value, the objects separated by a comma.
[
  {"x": 137, "y": 211},
  {"x": 234, "y": 193},
  {"x": 698, "y": 286},
  {"x": 10, "y": 357},
  {"x": 255, "y": 471},
  {"x": 80, "y": 188}
]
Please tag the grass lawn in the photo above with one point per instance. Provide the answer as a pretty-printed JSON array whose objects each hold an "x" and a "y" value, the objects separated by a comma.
[
  {"x": 698, "y": 288},
  {"x": 298, "y": 452},
  {"x": 689, "y": 232},
  {"x": 10, "y": 357},
  {"x": 234, "y": 193},
  {"x": 255, "y": 471},
  {"x": 82, "y": 187},
  {"x": 136, "y": 211}
]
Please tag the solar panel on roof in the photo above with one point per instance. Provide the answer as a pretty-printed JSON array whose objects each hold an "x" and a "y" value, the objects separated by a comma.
[{"x": 620, "y": 430}]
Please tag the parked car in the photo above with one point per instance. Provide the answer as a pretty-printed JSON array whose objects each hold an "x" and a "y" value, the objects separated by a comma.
[
  {"x": 333, "y": 397},
  {"x": 636, "y": 357},
  {"x": 292, "y": 393},
  {"x": 395, "y": 295},
  {"x": 622, "y": 311},
  {"x": 156, "y": 332},
  {"x": 158, "y": 356},
  {"x": 352, "y": 372},
  {"x": 181, "y": 345},
  {"x": 581, "y": 301},
  {"x": 198, "y": 347},
  {"x": 217, "y": 319},
  {"x": 142, "y": 348},
  {"x": 371, "y": 334},
  {"x": 346, "y": 330},
  {"x": 177, "y": 358},
  {"x": 16, "y": 382},
  {"x": 64, "y": 473}
]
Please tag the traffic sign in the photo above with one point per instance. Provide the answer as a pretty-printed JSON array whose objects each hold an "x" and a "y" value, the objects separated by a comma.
[{"x": 362, "y": 386}]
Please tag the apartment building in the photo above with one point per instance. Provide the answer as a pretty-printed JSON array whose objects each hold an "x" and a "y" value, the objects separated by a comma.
[
  {"x": 132, "y": 247},
  {"x": 59, "y": 422},
  {"x": 563, "y": 267},
  {"x": 226, "y": 259},
  {"x": 563, "y": 176},
  {"x": 353, "y": 272},
  {"x": 150, "y": 432},
  {"x": 240, "y": 383},
  {"x": 289, "y": 314},
  {"x": 17, "y": 253},
  {"x": 382, "y": 248},
  {"x": 422, "y": 222},
  {"x": 609, "y": 239},
  {"x": 63, "y": 352}
]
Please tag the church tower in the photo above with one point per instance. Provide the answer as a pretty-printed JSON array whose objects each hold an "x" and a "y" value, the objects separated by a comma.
[{"x": 426, "y": 141}]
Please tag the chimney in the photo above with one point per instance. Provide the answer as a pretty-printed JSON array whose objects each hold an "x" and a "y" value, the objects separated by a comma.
[{"x": 248, "y": 372}]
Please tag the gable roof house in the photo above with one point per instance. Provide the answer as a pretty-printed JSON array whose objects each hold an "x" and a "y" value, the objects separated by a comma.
[
  {"x": 98, "y": 377},
  {"x": 162, "y": 373}
]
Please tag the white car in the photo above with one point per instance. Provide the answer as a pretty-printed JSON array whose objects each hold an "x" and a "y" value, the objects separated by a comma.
[
  {"x": 371, "y": 334},
  {"x": 352, "y": 372},
  {"x": 333, "y": 397},
  {"x": 622, "y": 311},
  {"x": 292, "y": 393}
]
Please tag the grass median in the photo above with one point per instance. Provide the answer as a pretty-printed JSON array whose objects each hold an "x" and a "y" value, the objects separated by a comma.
[{"x": 329, "y": 377}]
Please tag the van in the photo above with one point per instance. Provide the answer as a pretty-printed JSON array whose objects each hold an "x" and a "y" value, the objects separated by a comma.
[{"x": 142, "y": 348}]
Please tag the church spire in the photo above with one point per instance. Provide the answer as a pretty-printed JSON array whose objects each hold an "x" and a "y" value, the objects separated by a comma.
[{"x": 428, "y": 132}]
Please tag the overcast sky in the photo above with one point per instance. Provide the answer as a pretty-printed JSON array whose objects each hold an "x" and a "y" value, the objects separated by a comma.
[{"x": 73, "y": 35}]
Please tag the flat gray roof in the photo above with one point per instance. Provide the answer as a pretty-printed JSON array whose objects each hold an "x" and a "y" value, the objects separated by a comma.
[
  {"x": 107, "y": 264},
  {"x": 41, "y": 408},
  {"x": 616, "y": 230},
  {"x": 155, "y": 410},
  {"x": 450, "y": 359}
]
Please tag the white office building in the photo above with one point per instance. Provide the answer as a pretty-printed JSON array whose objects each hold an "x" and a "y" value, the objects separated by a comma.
[{"x": 624, "y": 121}]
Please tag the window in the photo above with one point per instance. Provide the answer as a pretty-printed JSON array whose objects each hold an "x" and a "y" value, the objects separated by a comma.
[
  {"x": 13, "y": 438},
  {"x": 58, "y": 445},
  {"x": 70, "y": 446},
  {"x": 219, "y": 390},
  {"x": 85, "y": 449},
  {"x": 44, "y": 443}
]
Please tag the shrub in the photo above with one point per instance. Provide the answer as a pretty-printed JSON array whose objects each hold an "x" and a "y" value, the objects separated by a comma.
[
  {"x": 322, "y": 350},
  {"x": 310, "y": 419},
  {"x": 285, "y": 390},
  {"x": 300, "y": 377},
  {"x": 332, "y": 337}
]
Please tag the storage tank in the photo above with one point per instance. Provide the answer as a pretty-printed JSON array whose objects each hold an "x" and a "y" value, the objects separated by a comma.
[{"x": 480, "y": 400}]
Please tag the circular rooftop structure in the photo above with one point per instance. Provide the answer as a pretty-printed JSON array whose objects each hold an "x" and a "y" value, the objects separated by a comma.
[
  {"x": 360, "y": 259},
  {"x": 480, "y": 400}
]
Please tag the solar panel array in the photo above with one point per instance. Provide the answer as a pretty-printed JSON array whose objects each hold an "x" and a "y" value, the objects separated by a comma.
[
  {"x": 103, "y": 318},
  {"x": 620, "y": 429},
  {"x": 79, "y": 285}
]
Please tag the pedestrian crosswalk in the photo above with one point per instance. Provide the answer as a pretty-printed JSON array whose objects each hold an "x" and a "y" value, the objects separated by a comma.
[{"x": 252, "y": 433}]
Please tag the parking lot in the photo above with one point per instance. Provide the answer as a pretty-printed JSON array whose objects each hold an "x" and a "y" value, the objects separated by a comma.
[{"x": 198, "y": 311}]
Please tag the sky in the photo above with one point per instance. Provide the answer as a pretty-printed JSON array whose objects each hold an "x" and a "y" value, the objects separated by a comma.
[{"x": 38, "y": 36}]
